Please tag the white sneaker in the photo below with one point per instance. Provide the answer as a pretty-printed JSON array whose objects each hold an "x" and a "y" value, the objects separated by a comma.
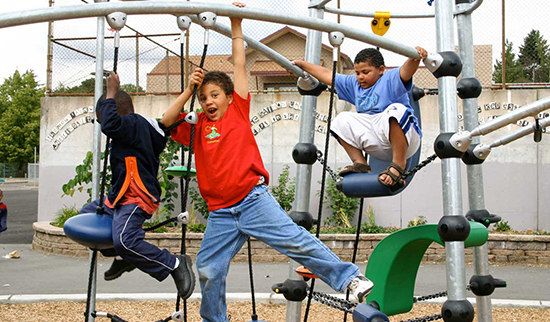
[{"x": 360, "y": 286}]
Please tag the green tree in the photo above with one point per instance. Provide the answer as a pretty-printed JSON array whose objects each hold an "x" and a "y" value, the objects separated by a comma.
[
  {"x": 131, "y": 88},
  {"x": 87, "y": 86},
  {"x": 19, "y": 118},
  {"x": 534, "y": 57},
  {"x": 514, "y": 72}
]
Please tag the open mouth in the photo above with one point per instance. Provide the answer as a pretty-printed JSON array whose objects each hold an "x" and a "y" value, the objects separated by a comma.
[{"x": 212, "y": 111}]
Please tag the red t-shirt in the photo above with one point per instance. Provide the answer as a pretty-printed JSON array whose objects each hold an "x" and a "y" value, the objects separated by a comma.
[{"x": 227, "y": 157}]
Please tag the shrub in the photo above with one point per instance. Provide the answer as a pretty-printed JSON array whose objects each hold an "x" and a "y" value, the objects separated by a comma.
[
  {"x": 370, "y": 227},
  {"x": 502, "y": 226},
  {"x": 421, "y": 220},
  {"x": 198, "y": 203},
  {"x": 284, "y": 192},
  {"x": 63, "y": 214},
  {"x": 343, "y": 208}
]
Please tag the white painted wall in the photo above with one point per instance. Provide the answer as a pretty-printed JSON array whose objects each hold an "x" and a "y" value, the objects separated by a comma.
[{"x": 513, "y": 175}]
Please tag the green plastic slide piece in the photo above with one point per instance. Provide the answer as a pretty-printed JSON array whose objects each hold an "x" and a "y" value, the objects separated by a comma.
[
  {"x": 179, "y": 171},
  {"x": 394, "y": 263}
]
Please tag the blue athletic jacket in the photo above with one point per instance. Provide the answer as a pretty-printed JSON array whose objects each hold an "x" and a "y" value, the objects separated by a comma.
[{"x": 136, "y": 143}]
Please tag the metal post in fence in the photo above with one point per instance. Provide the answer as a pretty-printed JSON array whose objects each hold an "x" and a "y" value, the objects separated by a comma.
[
  {"x": 167, "y": 72},
  {"x": 137, "y": 61},
  {"x": 50, "y": 55},
  {"x": 503, "y": 45}
]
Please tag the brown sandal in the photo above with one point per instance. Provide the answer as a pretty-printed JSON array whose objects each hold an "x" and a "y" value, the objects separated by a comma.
[
  {"x": 397, "y": 181},
  {"x": 356, "y": 167}
]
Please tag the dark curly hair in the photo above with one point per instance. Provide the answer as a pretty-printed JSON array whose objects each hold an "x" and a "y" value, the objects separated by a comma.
[
  {"x": 221, "y": 79},
  {"x": 370, "y": 56},
  {"x": 123, "y": 102}
]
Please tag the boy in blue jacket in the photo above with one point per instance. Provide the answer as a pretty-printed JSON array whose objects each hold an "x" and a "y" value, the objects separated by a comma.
[{"x": 137, "y": 142}]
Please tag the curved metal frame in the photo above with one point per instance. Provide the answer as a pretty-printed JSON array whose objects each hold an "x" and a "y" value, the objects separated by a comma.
[{"x": 183, "y": 8}]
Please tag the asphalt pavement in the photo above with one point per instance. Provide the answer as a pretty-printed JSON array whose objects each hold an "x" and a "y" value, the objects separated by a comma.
[{"x": 38, "y": 276}]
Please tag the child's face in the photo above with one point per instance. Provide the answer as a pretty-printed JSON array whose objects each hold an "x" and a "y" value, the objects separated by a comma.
[
  {"x": 214, "y": 101},
  {"x": 367, "y": 75}
]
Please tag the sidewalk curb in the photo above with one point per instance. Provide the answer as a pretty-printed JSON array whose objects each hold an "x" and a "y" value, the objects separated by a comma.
[{"x": 271, "y": 298}]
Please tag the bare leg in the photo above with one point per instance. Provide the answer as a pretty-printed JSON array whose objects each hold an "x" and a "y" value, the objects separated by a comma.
[
  {"x": 399, "y": 146},
  {"x": 355, "y": 154}
]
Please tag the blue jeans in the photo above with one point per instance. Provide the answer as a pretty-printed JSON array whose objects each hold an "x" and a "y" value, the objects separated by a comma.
[{"x": 260, "y": 216}]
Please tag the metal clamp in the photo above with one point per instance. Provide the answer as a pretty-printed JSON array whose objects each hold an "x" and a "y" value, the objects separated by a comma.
[
  {"x": 192, "y": 118},
  {"x": 183, "y": 218}
]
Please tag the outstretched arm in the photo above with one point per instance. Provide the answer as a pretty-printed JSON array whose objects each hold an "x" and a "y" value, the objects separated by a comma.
[
  {"x": 321, "y": 73},
  {"x": 411, "y": 65},
  {"x": 173, "y": 112},
  {"x": 239, "y": 59}
]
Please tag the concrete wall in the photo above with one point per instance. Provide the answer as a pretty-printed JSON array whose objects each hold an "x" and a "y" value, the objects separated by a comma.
[{"x": 514, "y": 175}]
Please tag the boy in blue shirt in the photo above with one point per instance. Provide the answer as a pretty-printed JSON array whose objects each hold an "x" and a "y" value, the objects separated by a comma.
[{"x": 384, "y": 125}]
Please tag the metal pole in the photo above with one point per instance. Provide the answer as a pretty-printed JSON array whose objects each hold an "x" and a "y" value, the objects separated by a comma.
[
  {"x": 96, "y": 145},
  {"x": 475, "y": 174},
  {"x": 503, "y": 45},
  {"x": 167, "y": 72},
  {"x": 307, "y": 135},
  {"x": 49, "y": 80},
  {"x": 137, "y": 61},
  {"x": 448, "y": 122}
]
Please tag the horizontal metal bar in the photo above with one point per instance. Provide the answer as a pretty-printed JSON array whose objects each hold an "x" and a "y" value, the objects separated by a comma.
[
  {"x": 111, "y": 37},
  {"x": 355, "y": 13},
  {"x": 526, "y": 130},
  {"x": 179, "y": 8},
  {"x": 511, "y": 117}
]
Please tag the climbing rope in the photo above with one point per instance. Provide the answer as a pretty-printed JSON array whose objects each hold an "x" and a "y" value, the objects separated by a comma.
[
  {"x": 355, "y": 245},
  {"x": 250, "y": 272},
  {"x": 323, "y": 182},
  {"x": 185, "y": 191}
]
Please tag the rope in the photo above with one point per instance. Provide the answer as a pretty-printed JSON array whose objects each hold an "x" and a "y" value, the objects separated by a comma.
[
  {"x": 323, "y": 182},
  {"x": 188, "y": 174},
  {"x": 355, "y": 246},
  {"x": 90, "y": 281},
  {"x": 250, "y": 273}
]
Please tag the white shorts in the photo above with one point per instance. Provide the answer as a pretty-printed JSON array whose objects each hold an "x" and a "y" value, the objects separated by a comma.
[{"x": 371, "y": 133}]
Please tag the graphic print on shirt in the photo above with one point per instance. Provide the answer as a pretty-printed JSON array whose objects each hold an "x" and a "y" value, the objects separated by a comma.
[
  {"x": 366, "y": 102},
  {"x": 213, "y": 134}
]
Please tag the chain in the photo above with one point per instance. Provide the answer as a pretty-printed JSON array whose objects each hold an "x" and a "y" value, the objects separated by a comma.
[
  {"x": 333, "y": 174},
  {"x": 334, "y": 302},
  {"x": 429, "y": 297},
  {"x": 419, "y": 166}
]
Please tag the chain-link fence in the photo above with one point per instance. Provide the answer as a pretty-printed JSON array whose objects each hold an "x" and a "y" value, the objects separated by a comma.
[
  {"x": 8, "y": 170},
  {"x": 149, "y": 55}
]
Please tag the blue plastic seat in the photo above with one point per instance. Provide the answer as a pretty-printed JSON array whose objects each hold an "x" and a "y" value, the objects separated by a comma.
[
  {"x": 91, "y": 230},
  {"x": 366, "y": 185}
]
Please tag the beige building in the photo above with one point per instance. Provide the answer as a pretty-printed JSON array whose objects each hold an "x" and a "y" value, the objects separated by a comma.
[{"x": 265, "y": 74}]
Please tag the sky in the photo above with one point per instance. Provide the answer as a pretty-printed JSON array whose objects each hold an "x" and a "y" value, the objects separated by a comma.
[{"x": 26, "y": 46}]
